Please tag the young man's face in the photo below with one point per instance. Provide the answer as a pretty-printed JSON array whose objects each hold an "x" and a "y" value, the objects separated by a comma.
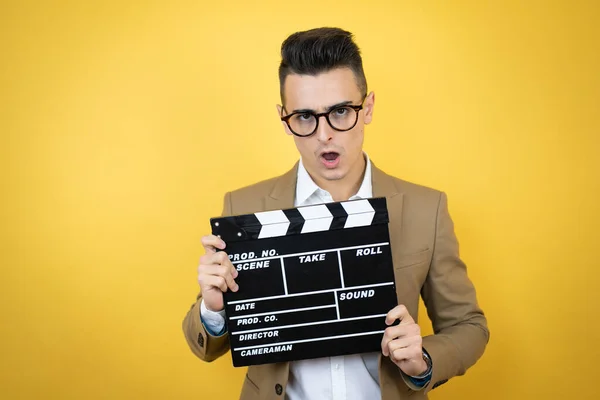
[{"x": 328, "y": 154}]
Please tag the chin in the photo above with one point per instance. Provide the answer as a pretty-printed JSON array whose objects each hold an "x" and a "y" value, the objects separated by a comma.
[{"x": 333, "y": 175}]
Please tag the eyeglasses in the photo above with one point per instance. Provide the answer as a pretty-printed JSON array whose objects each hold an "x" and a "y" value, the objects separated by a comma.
[{"x": 341, "y": 118}]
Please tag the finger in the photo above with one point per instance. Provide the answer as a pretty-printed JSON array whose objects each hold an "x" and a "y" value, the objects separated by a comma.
[
  {"x": 390, "y": 334},
  {"x": 227, "y": 273},
  {"x": 397, "y": 355},
  {"x": 223, "y": 271},
  {"x": 399, "y": 312},
  {"x": 211, "y": 243},
  {"x": 223, "y": 259},
  {"x": 404, "y": 354},
  {"x": 220, "y": 258},
  {"x": 385, "y": 340},
  {"x": 210, "y": 269},
  {"x": 212, "y": 281},
  {"x": 234, "y": 271},
  {"x": 398, "y": 332},
  {"x": 404, "y": 342}
]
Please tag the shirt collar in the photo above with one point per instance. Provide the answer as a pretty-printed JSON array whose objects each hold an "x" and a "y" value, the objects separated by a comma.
[{"x": 306, "y": 187}]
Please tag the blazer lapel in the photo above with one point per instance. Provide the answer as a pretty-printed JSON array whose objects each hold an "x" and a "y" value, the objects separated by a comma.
[
  {"x": 283, "y": 193},
  {"x": 384, "y": 186}
]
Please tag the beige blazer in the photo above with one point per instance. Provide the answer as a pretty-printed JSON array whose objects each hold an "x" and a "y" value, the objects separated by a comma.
[{"x": 426, "y": 263}]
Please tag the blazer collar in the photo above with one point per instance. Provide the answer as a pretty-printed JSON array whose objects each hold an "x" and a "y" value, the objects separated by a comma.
[
  {"x": 383, "y": 184},
  {"x": 284, "y": 190}
]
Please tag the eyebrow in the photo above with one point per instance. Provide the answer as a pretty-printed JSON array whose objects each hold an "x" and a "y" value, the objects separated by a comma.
[{"x": 309, "y": 110}]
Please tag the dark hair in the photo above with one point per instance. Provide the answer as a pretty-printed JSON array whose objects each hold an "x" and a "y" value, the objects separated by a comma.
[{"x": 320, "y": 50}]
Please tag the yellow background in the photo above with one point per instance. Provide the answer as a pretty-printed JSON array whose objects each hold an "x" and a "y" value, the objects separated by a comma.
[{"x": 123, "y": 123}]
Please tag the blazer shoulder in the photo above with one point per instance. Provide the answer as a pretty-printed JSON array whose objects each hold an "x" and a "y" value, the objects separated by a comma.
[
  {"x": 419, "y": 198},
  {"x": 416, "y": 190},
  {"x": 421, "y": 207},
  {"x": 251, "y": 198},
  {"x": 258, "y": 189},
  {"x": 248, "y": 199}
]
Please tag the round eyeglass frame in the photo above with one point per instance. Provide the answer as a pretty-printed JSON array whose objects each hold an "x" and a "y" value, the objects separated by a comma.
[{"x": 326, "y": 115}]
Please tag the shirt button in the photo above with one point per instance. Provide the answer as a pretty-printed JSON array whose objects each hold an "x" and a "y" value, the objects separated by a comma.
[
  {"x": 337, "y": 366},
  {"x": 278, "y": 389}
]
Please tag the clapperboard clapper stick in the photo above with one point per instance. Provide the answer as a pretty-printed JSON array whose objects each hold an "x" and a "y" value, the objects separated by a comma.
[{"x": 314, "y": 281}]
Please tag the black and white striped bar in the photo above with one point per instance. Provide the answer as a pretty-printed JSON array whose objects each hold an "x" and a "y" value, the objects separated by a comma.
[
  {"x": 314, "y": 281},
  {"x": 301, "y": 220}
]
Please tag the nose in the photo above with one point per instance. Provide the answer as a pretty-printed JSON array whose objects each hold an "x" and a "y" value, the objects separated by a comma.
[{"x": 324, "y": 132}]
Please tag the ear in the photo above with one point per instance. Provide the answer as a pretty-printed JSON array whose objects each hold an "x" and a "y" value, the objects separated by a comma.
[
  {"x": 279, "y": 115},
  {"x": 369, "y": 106}
]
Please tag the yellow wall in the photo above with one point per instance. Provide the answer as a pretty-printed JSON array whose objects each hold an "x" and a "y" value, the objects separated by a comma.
[{"x": 123, "y": 123}]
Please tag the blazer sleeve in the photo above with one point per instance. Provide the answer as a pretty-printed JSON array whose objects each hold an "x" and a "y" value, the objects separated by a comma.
[
  {"x": 459, "y": 325},
  {"x": 202, "y": 343}
]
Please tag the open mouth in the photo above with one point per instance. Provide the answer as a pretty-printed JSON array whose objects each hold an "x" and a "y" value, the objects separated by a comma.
[{"x": 330, "y": 159}]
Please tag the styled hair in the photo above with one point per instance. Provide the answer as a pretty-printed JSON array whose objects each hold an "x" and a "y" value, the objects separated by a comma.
[{"x": 320, "y": 50}]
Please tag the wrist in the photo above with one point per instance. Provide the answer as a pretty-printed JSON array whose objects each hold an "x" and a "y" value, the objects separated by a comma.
[
  {"x": 427, "y": 366},
  {"x": 423, "y": 370},
  {"x": 205, "y": 309}
]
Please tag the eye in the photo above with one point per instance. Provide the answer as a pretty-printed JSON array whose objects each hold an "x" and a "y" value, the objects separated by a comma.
[
  {"x": 304, "y": 116},
  {"x": 341, "y": 111}
]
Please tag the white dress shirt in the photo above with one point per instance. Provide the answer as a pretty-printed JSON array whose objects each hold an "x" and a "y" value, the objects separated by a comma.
[{"x": 353, "y": 377}]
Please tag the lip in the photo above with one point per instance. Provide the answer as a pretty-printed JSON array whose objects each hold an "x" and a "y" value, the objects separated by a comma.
[{"x": 330, "y": 164}]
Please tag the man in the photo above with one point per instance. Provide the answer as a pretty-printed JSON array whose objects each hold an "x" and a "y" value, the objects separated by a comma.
[{"x": 325, "y": 107}]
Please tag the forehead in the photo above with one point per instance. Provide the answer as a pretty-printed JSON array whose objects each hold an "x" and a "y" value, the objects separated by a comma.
[{"x": 318, "y": 92}]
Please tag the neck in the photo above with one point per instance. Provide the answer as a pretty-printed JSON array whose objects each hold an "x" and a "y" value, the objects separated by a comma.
[{"x": 343, "y": 189}]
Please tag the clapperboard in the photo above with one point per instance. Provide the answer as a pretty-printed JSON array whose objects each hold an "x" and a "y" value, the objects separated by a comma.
[{"x": 314, "y": 281}]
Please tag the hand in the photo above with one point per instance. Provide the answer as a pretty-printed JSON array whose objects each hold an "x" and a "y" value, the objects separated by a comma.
[
  {"x": 403, "y": 343},
  {"x": 216, "y": 274}
]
